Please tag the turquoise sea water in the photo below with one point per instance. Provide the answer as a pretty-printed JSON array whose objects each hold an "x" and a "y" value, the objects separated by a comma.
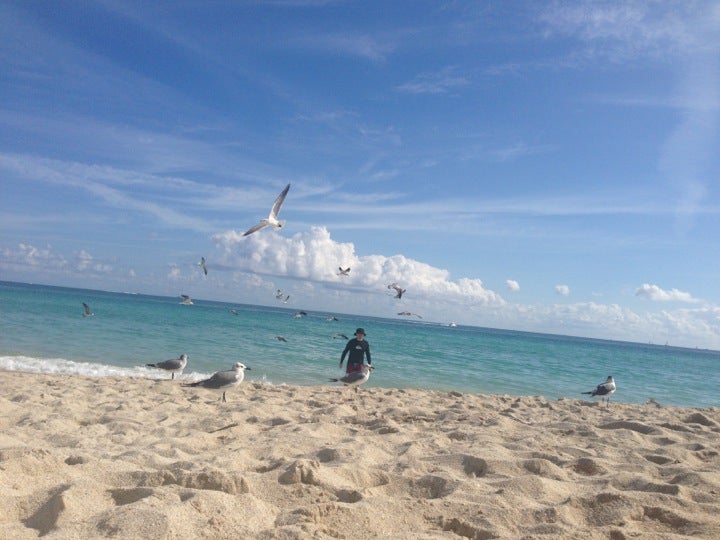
[{"x": 42, "y": 330}]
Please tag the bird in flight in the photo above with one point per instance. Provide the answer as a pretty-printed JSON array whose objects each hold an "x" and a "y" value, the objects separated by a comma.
[
  {"x": 87, "y": 312},
  {"x": 281, "y": 338},
  {"x": 399, "y": 291},
  {"x": 279, "y": 295},
  {"x": 202, "y": 265},
  {"x": 272, "y": 219},
  {"x": 186, "y": 300},
  {"x": 343, "y": 271},
  {"x": 409, "y": 314}
]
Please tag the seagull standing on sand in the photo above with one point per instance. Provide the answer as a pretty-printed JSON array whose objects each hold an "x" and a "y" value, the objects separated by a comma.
[
  {"x": 272, "y": 219},
  {"x": 174, "y": 366},
  {"x": 357, "y": 378},
  {"x": 223, "y": 380},
  {"x": 399, "y": 291},
  {"x": 604, "y": 390},
  {"x": 202, "y": 265},
  {"x": 87, "y": 312}
]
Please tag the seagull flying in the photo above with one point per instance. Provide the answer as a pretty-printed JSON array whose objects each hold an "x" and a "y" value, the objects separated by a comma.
[
  {"x": 343, "y": 271},
  {"x": 87, "y": 312},
  {"x": 340, "y": 336},
  {"x": 202, "y": 265},
  {"x": 281, "y": 338},
  {"x": 187, "y": 301},
  {"x": 604, "y": 390},
  {"x": 272, "y": 219},
  {"x": 398, "y": 290},
  {"x": 223, "y": 380},
  {"x": 409, "y": 313},
  {"x": 174, "y": 366},
  {"x": 300, "y": 314}
]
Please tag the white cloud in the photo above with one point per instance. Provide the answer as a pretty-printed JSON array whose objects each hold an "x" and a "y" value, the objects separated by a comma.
[
  {"x": 84, "y": 262},
  {"x": 512, "y": 285},
  {"x": 634, "y": 28},
  {"x": 45, "y": 259},
  {"x": 656, "y": 294},
  {"x": 434, "y": 83},
  {"x": 315, "y": 256},
  {"x": 28, "y": 255},
  {"x": 562, "y": 290}
]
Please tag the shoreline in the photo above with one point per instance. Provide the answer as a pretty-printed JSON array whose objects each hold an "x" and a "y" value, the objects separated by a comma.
[{"x": 134, "y": 457}]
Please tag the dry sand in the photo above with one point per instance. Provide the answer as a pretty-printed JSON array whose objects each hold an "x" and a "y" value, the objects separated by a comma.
[{"x": 137, "y": 458}]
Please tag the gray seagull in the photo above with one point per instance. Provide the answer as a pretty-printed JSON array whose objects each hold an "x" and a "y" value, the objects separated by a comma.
[
  {"x": 604, "y": 390},
  {"x": 202, "y": 265},
  {"x": 272, "y": 219},
  {"x": 87, "y": 312},
  {"x": 399, "y": 291},
  {"x": 176, "y": 365},
  {"x": 355, "y": 379},
  {"x": 223, "y": 381}
]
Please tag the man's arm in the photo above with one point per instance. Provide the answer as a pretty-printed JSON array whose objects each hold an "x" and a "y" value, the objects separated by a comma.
[{"x": 345, "y": 351}]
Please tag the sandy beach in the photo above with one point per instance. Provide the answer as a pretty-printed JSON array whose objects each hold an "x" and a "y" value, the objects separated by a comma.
[{"x": 140, "y": 458}]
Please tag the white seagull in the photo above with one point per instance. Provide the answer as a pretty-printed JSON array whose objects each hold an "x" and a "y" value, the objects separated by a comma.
[
  {"x": 357, "y": 378},
  {"x": 343, "y": 271},
  {"x": 398, "y": 290},
  {"x": 187, "y": 301},
  {"x": 174, "y": 366},
  {"x": 223, "y": 380},
  {"x": 203, "y": 265},
  {"x": 87, "y": 312},
  {"x": 604, "y": 390},
  {"x": 272, "y": 219}
]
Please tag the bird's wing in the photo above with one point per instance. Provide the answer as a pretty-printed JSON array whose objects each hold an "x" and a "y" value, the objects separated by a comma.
[
  {"x": 279, "y": 201},
  {"x": 255, "y": 228}
]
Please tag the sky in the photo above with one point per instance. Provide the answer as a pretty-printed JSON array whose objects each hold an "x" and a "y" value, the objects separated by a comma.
[{"x": 543, "y": 166}]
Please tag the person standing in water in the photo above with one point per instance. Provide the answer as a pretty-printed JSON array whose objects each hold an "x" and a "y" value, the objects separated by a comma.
[{"x": 358, "y": 350}]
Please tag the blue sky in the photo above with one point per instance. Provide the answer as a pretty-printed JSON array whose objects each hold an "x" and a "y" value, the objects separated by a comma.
[{"x": 541, "y": 166}]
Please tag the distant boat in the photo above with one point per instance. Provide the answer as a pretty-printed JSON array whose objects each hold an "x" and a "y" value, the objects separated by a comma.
[{"x": 452, "y": 324}]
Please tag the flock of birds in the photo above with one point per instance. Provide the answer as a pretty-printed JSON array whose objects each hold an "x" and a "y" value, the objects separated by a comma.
[
  {"x": 225, "y": 380},
  {"x": 273, "y": 221},
  {"x": 222, "y": 381}
]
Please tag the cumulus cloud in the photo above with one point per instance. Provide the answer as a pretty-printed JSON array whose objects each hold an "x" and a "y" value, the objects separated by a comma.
[
  {"x": 85, "y": 261},
  {"x": 314, "y": 256},
  {"x": 562, "y": 290},
  {"x": 512, "y": 285},
  {"x": 28, "y": 255},
  {"x": 656, "y": 294}
]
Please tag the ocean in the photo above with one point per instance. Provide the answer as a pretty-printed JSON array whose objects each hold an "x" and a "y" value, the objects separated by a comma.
[{"x": 42, "y": 330}]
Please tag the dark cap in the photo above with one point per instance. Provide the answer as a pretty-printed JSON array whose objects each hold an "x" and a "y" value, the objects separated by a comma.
[{"x": 360, "y": 331}]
